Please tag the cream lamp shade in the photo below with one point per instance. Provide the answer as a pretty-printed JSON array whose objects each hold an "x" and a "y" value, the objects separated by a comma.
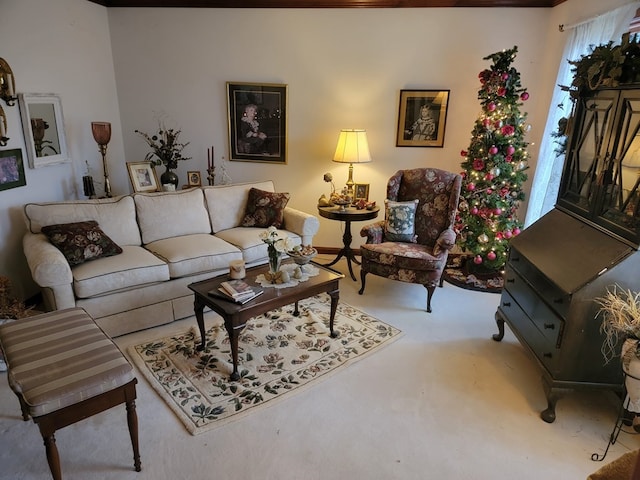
[{"x": 352, "y": 147}]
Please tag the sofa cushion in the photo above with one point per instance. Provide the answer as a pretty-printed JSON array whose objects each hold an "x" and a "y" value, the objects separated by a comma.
[
  {"x": 227, "y": 203},
  {"x": 191, "y": 254},
  {"x": 80, "y": 242},
  {"x": 248, "y": 240},
  {"x": 399, "y": 223},
  {"x": 116, "y": 216},
  {"x": 265, "y": 209},
  {"x": 171, "y": 214},
  {"x": 134, "y": 267}
]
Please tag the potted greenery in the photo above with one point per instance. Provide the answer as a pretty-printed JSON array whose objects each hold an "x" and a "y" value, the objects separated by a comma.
[
  {"x": 620, "y": 312},
  {"x": 166, "y": 150}
]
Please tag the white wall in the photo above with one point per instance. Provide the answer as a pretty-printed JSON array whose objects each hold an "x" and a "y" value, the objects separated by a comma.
[
  {"x": 61, "y": 47},
  {"x": 344, "y": 69}
]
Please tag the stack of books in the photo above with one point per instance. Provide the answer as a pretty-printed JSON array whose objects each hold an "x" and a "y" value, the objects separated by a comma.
[{"x": 237, "y": 291}]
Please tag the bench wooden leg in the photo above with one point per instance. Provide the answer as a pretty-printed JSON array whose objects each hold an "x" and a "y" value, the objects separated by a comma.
[
  {"x": 132, "y": 421},
  {"x": 52, "y": 456}
]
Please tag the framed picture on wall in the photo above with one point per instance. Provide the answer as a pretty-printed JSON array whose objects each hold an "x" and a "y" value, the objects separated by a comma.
[
  {"x": 143, "y": 177},
  {"x": 11, "y": 169},
  {"x": 257, "y": 121},
  {"x": 43, "y": 127},
  {"x": 422, "y": 118}
]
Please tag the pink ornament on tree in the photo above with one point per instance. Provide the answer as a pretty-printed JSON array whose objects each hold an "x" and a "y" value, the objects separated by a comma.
[
  {"x": 511, "y": 150},
  {"x": 493, "y": 150},
  {"x": 498, "y": 211},
  {"x": 471, "y": 187},
  {"x": 516, "y": 231},
  {"x": 477, "y": 259},
  {"x": 491, "y": 107},
  {"x": 508, "y": 234},
  {"x": 474, "y": 211},
  {"x": 524, "y": 96},
  {"x": 491, "y": 255}
]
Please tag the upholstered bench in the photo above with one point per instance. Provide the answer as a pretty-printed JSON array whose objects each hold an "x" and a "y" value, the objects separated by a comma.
[{"x": 63, "y": 368}]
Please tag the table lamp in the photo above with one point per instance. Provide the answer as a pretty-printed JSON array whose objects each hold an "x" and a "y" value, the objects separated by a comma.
[{"x": 352, "y": 148}]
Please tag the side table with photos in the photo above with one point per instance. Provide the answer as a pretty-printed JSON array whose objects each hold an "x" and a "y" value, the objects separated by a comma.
[{"x": 347, "y": 215}]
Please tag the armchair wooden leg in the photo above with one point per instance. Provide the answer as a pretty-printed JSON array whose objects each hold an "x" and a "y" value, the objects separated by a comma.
[
  {"x": 362, "y": 281},
  {"x": 430, "y": 290},
  {"x": 52, "y": 455}
]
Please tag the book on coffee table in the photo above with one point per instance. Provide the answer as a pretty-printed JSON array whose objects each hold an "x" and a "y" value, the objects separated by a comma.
[
  {"x": 237, "y": 288},
  {"x": 239, "y": 299}
]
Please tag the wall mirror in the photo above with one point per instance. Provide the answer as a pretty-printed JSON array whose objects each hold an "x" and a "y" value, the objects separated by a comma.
[{"x": 43, "y": 126}]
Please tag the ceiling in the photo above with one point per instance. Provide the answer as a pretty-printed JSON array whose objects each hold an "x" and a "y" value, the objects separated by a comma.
[{"x": 327, "y": 3}]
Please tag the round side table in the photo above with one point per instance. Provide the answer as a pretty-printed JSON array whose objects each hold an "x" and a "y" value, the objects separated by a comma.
[{"x": 348, "y": 215}]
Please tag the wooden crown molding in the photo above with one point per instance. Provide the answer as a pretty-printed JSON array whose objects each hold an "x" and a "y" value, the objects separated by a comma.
[{"x": 327, "y": 3}]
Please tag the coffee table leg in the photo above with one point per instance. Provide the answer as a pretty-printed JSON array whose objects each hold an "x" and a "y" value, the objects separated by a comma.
[
  {"x": 234, "y": 335},
  {"x": 296, "y": 311},
  {"x": 198, "y": 308},
  {"x": 335, "y": 296}
]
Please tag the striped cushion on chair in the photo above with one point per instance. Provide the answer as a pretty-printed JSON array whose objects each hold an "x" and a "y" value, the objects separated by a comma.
[{"x": 60, "y": 358}]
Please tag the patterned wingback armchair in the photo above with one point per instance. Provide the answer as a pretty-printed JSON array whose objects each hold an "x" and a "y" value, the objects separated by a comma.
[{"x": 437, "y": 192}]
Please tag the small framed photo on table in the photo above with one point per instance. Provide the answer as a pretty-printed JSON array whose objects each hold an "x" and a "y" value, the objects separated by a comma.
[
  {"x": 143, "y": 177},
  {"x": 11, "y": 169},
  {"x": 361, "y": 191},
  {"x": 194, "y": 179},
  {"x": 422, "y": 118}
]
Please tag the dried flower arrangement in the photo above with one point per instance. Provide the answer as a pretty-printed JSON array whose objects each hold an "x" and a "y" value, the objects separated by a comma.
[{"x": 620, "y": 311}]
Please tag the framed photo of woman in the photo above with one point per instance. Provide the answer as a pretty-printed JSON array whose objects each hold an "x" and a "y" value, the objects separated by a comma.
[
  {"x": 422, "y": 118},
  {"x": 257, "y": 120},
  {"x": 194, "y": 179}
]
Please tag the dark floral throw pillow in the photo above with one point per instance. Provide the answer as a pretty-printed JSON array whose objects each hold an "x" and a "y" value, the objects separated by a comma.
[
  {"x": 265, "y": 209},
  {"x": 81, "y": 241},
  {"x": 399, "y": 222}
]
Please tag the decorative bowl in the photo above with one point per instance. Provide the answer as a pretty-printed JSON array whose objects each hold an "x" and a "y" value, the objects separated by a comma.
[
  {"x": 301, "y": 259},
  {"x": 341, "y": 203}
]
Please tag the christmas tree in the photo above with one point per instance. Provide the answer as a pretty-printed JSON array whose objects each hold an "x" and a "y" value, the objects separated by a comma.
[{"x": 494, "y": 167}]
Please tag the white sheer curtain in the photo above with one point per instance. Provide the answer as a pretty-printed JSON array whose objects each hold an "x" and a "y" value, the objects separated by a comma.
[{"x": 603, "y": 29}]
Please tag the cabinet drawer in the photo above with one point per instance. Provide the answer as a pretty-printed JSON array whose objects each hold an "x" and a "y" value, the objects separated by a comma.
[
  {"x": 529, "y": 335},
  {"x": 557, "y": 299},
  {"x": 546, "y": 320}
]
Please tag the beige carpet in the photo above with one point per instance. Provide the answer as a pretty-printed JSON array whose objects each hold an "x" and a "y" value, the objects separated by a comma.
[{"x": 279, "y": 354}]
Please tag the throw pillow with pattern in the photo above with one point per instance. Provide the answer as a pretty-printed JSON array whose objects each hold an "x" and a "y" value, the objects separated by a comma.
[
  {"x": 265, "y": 209},
  {"x": 399, "y": 224},
  {"x": 81, "y": 241}
]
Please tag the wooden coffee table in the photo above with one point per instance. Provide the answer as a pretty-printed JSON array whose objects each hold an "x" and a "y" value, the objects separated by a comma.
[{"x": 236, "y": 316}]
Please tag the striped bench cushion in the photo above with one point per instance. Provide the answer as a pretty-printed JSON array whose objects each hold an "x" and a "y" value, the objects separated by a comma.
[{"x": 60, "y": 358}]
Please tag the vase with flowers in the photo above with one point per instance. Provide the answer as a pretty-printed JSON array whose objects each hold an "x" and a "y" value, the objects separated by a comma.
[
  {"x": 276, "y": 246},
  {"x": 166, "y": 149},
  {"x": 620, "y": 311}
]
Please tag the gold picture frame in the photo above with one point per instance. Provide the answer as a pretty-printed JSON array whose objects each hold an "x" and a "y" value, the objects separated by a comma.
[
  {"x": 143, "y": 177},
  {"x": 422, "y": 118},
  {"x": 361, "y": 191},
  {"x": 194, "y": 179}
]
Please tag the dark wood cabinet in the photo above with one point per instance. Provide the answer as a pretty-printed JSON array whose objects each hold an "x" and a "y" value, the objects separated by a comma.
[{"x": 559, "y": 265}]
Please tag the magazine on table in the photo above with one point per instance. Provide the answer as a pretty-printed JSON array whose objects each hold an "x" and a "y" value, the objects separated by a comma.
[
  {"x": 240, "y": 299},
  {"x": 237, "y": 288}
]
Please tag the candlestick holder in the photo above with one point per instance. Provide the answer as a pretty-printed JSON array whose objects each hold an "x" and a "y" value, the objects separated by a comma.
[{"x": 211, "y": 175}]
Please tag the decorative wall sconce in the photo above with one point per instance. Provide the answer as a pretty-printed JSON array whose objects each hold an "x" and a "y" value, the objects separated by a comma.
[
  {"x": 3, "y": 129},
  {"x": 102, "y": 135},
  {"x": 7, "y": 83}
]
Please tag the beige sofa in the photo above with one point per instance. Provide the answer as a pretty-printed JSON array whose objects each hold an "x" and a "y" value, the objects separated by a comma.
[{"x": 168, "y": 241}]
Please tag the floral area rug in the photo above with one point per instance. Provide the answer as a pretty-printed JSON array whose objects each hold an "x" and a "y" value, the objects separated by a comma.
[
  {"x": 279, "y": 354},
  {"x": 459, "y": 274}
]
